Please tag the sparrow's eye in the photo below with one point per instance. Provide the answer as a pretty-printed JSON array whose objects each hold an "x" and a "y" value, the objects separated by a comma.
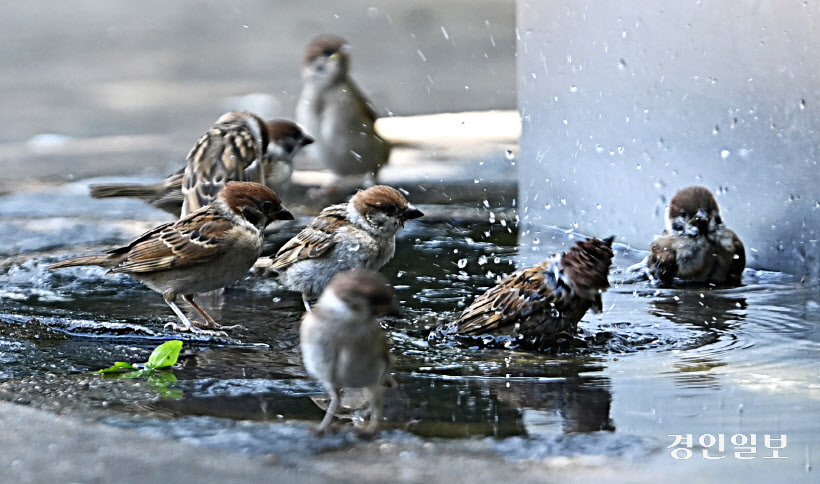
[
  {"x": 267, "y": 206},
  {"x": 718, "y": 220},
  {"x": 327, "y": 52},
  {"x": 683, "y": 213}
]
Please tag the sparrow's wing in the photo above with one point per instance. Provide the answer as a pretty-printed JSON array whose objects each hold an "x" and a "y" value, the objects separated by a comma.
[
  {"x": 738, "y": 259},
  {"x": 221, "y": 155},
  {"x": 364, "y": 105},
  {"x": 194, "y": 239},
  {"x": 662, "y": 261},
  {"x": 314, "y": 240},
  {"x": 517, "y": 296}
]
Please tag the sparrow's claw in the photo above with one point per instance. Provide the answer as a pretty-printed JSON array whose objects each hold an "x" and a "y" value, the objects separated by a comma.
[
  {"x": 215, "y": 325},
  {"x": 194, "y": 329}
]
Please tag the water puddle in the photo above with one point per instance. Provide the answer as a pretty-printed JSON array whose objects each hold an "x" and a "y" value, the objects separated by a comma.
[{"x": 648, "y": 350}]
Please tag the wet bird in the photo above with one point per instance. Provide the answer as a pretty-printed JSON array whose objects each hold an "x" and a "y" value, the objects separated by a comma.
[
  {"x": 334, "y": 110},
  {"x": 286, "y": 139},
  {"x": 360, "y": 234},
  {"x": 343, "y": 345},
  {"x": 544, "y": 303},
  {"x": 208, "y": 249},
  {"x": 696, "y": 245}
]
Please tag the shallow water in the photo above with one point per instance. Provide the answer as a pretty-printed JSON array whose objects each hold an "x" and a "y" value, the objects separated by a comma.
[{"x": 693, "y": 360}]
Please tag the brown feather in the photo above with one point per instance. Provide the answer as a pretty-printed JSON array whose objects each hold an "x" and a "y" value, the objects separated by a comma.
[
  {"x": 219, "y": 156},
  {"x": 190, "y": 241},
  {"x": 543, "y": 301},
  {"x": 314, "y": 240}
]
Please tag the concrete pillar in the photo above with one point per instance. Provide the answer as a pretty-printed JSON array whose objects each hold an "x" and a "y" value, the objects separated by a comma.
[{"x": 625, "y": 102}]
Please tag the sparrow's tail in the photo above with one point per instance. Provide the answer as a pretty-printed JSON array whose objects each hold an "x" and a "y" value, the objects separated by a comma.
[
  {"x": 147, "y": 191},
  {"x": 102, "y": 260}
]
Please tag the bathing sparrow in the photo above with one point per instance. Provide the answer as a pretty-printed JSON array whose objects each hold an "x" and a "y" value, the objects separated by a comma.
[
  {"x": 360, "y": 234},
  {"x": 696, "y": 245},
  {"x": 343, "y": 345},
  {"x": 286, "y": 138},
  {"x": 208, "y": 249},
  {"x": 545, "y": 302}
]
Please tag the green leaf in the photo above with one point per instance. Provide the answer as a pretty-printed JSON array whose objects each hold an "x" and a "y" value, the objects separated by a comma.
[
  {"x": 164, "y": 355},
  {"x": 118, "y": 367}
]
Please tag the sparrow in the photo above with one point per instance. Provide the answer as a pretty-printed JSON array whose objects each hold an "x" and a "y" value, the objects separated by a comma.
[
  {"x": 543, "y": 303},
  {"x": 286, "y": 139},
  {"x": 696, "y": 245},
  {"x": 208, "y": 249},
  {"x": 333, "y": 110},
  {"x": 359, "y": 234},
  {"x": 343, "y": 345}
]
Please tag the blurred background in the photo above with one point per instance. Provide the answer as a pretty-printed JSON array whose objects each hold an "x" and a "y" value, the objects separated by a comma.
[{"x": 125, "y": 88}]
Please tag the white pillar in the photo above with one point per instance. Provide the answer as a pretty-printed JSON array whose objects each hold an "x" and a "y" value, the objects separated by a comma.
[{"x": 625, "y": 102}]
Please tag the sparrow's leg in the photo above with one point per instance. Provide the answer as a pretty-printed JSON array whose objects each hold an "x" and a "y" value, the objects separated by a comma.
[
  {"x": 209, "y": 321},
  {"x": 376, "y": 404},
  {"x": 331, "y": 411},
  {"x": 186, "y": 327},
  {"x": 306, "y": 302}
]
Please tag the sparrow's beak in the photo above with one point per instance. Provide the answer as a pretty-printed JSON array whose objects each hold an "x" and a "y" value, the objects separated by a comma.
[
  {"x": 411, "y": 212},
  {"x": 334, "y": 56},
  {"x": 699, "y": 223},
  {"x": 282, "y": 215},
  {"x": 306, "y": 140}
]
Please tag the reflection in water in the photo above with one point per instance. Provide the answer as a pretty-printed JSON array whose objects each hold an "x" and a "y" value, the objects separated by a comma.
[
  {"x": 712, "y": 312},
  {"x": 704, "y": 309}
]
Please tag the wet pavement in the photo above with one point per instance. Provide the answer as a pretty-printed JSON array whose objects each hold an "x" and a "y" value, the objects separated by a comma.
[{"x": 657, "y": 362}]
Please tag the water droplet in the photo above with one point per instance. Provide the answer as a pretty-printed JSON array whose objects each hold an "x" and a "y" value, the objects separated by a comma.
[
  {"x": 620, "y": 150},
  {"x": 536, "y": 241},
  {"x": 598, "y": 206},
  {"x": 547, "y": 206},
  {"x": 492, "y": 217},
  {"x": 444, "y": 33},
  {"x": 802, "y": 104},
  {"x": 638, "y": 166},
  {"x": 487, "y": 203},
  {"x": 573, "y": 89},
  {"x": 509, "y": 154},
  {"x": 497, "y": 260},
  {"x": 724, "y": 154},
  {"x": 482, "y": 260},
  {"x": 421, "y": 55},
  {"x": 566, "y": 122},
  {"x": 462, "y": 263},
  {"x": 599, "y": 149},
  {"x": 373, "y": 12},
  {"x": 476, "y": 181},
  {"x": 716, "y": 130}
]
